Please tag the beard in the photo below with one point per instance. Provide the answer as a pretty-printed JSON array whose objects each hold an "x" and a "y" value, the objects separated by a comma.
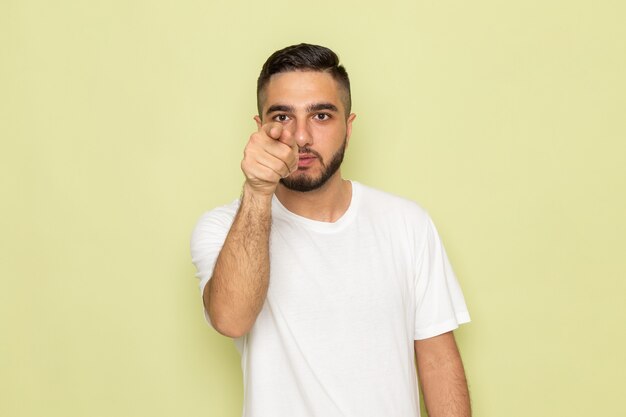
[{"x": 304, "y": 183}]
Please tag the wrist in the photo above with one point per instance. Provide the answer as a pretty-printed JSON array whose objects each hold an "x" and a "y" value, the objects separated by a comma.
[{"x": 256, "y": 195}]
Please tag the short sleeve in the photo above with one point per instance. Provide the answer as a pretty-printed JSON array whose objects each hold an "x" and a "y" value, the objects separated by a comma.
[
  {"x": 208, "y": 238},
  {"x": 440, "y": 305}
]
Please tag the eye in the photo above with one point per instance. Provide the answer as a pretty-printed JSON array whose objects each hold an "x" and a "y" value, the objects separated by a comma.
[
  {"x": 281, "y": 118},
  {"x": 322, "y": 116}
]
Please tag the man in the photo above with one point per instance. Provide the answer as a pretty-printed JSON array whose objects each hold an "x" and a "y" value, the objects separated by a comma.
[{"x": 330, "y": 289}]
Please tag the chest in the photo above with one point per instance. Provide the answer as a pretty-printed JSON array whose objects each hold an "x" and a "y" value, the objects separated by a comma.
[{"x": 334, "y": 281}]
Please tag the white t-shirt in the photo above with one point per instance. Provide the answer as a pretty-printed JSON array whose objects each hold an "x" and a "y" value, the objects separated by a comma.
[{"x": 346, "y": 300}]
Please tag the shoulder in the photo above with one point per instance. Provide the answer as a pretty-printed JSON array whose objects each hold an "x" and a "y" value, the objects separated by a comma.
[
  {"x": 225, "y": 212},
  {"x": 215, "y": 220},
  {"x": 378, "y": 202}
]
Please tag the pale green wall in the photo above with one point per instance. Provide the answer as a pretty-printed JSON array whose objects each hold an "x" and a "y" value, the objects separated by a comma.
[{"x": 122, "y": 121}]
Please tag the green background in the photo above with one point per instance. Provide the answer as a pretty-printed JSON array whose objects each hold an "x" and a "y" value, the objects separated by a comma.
[{"x": 122, "y": 121}]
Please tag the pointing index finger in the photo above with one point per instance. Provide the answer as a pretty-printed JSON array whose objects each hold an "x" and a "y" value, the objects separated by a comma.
[{"x": 273, "y": 130}]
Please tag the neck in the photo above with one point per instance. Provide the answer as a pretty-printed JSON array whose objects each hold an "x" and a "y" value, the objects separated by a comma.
[{"x": 326, "y": 204}]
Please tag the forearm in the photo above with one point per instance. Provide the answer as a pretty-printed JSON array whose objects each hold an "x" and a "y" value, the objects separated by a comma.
[
  {"x": 236, "y": 292},
  {"x": 443, "y": 380}
]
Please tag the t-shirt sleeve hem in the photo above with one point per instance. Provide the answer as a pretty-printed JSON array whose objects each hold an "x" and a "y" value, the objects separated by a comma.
[
  {"x": 440, "y": 328},
  {"x": 203, "y": 284}
]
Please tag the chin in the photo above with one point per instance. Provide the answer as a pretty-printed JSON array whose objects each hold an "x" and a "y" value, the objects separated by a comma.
[{"x": 303, "y": 183}]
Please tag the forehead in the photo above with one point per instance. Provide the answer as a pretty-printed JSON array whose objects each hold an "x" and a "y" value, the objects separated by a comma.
[{"x": 301, "y": 88}]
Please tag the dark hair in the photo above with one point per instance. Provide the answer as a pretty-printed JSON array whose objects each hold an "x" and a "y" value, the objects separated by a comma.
[{"x": 304, "y": 57}]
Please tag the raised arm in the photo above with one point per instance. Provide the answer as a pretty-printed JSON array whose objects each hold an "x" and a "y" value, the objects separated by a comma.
[
  {"x": 442, "y": 377},
  {"x": 236, "y": 292}
]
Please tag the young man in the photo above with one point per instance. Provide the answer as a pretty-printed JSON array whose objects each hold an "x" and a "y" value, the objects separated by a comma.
[{"x": 331, "y": 289}]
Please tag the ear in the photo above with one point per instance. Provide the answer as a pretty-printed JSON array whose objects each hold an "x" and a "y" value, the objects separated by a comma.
[
  {"x": 349, "y": 127},
  {"x": 258, "y": 121}
]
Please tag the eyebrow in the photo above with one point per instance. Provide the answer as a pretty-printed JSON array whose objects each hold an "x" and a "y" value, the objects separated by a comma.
[
  {"x": 280, "y": 107},
  {"x": 310, "y": 109},
  {"x": 321, "y": 106}
]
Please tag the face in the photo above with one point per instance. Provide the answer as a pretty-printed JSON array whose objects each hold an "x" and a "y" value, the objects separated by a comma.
[{"x": 308, "y": 104}]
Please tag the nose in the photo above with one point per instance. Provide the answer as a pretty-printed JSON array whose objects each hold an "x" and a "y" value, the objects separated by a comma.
[{"x": 302, "y": 134}]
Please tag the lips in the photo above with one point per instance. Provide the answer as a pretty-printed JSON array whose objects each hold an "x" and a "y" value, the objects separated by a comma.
[{"x": 306, "y": 160}]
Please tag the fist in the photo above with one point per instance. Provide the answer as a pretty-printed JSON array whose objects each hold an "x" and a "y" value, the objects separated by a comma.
[{"x": 271, "y": 154}]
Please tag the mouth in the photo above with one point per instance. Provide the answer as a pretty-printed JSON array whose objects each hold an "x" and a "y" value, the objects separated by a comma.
[{"x": 306, "y": 160}]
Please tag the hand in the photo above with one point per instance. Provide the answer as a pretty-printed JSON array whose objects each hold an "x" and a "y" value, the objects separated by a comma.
[{"x": 271, "y": 154}]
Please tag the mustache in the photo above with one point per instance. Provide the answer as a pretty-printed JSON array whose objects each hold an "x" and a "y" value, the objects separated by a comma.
[{"x": 307, "y": 150}]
